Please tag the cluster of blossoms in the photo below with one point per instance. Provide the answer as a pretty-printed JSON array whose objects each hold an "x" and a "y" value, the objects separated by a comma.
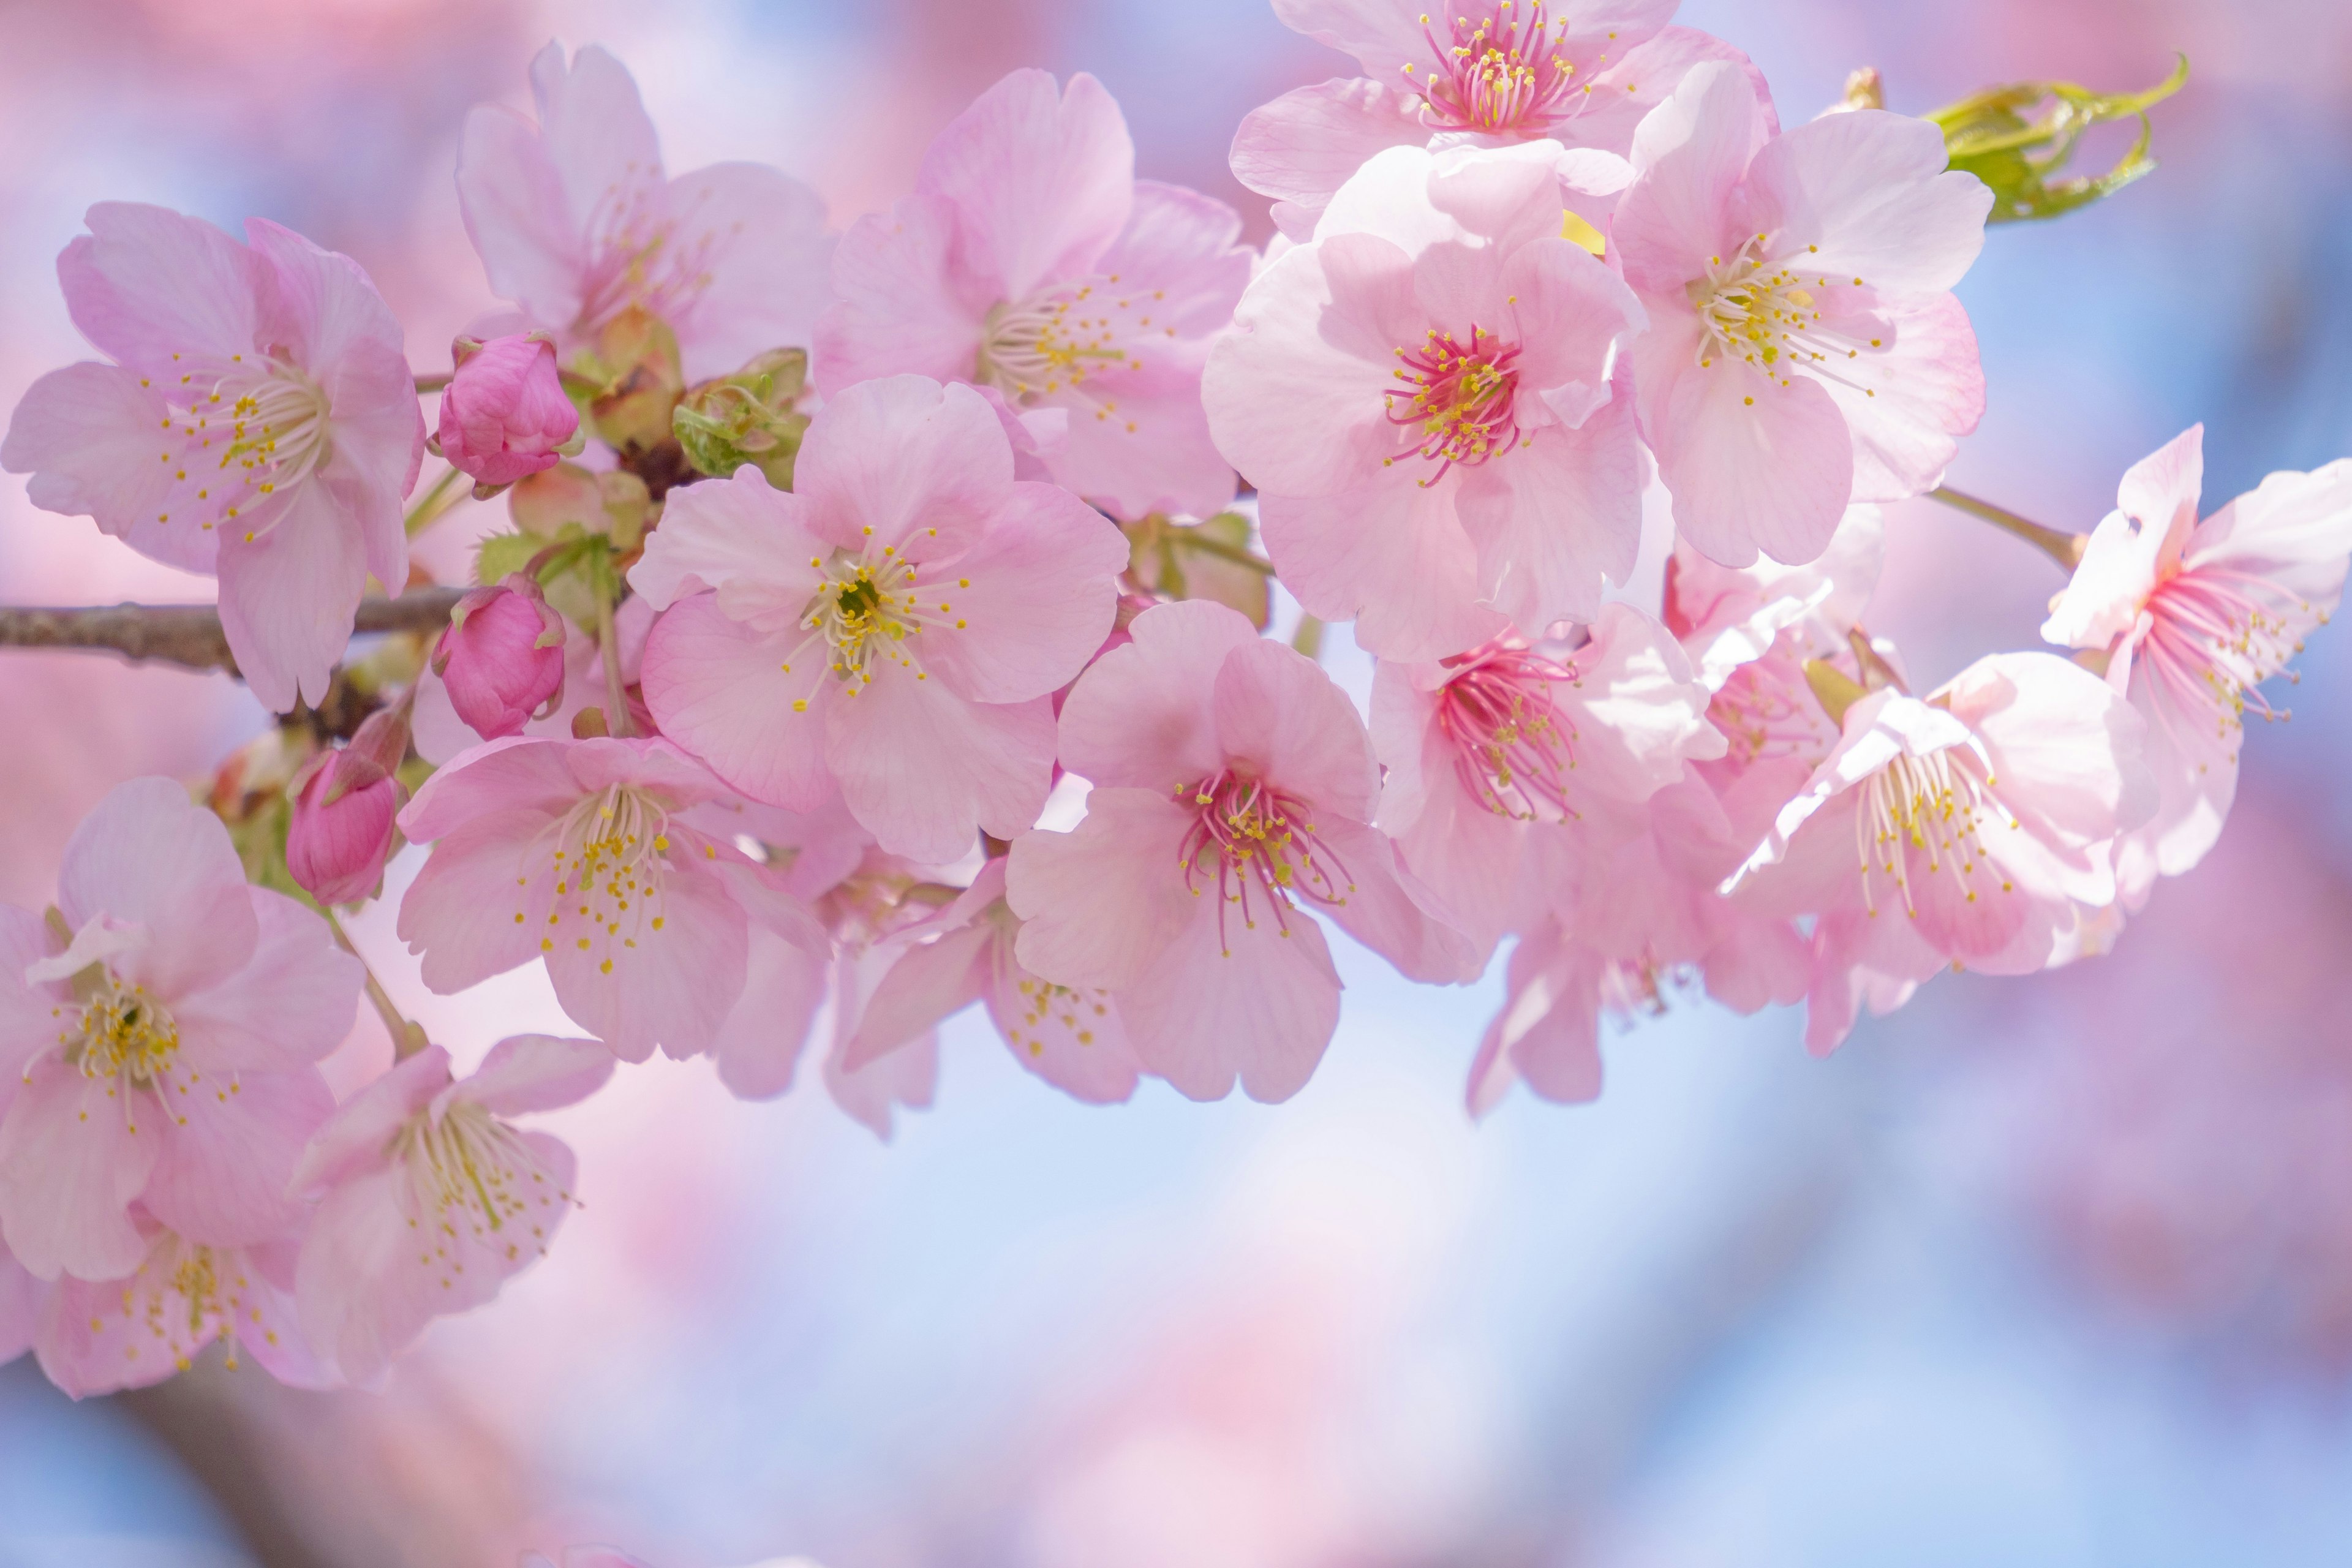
[{"x": 882, "y": 629}]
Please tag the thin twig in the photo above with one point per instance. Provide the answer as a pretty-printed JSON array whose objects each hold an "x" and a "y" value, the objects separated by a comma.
[
  {"x": 408, "y": 1038},
  {"x": 433, "y": 503},
  {"x": 2066, "y": 549},
  {"x": 616, "y": 697},
  {"x": 1193, "y": 538},
  {"x": 191, "y": 635},
  {"x": 432, "y": 383}
]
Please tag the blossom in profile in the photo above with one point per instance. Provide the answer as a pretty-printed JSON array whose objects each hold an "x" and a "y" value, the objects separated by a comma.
[
  {"x": 345, "y": 802},
  {"x": 502, "y": 657},
  {"x": 1579, "y": 73},
  {"x": 429, "y": 1199},
  {"x": 895, "y": 625},
  {"x": 504, "y": 413},
  {"x": 1424, "y": 397},
  {"x": 258, "y": 423},
  {"x": 577, "y": 852},
  {"x": 1804, "y": 349},
  {"x": 1070, "y": 1037},
  {"x": 1971, "y": 828},
  {"x": 2193, "y": 618},
  {"x": 1490, "y": 752},
  {"x": 159, "y": 1032},
  {"x": 576, "y": 223},
  {"x": 1030, "y": 260},
  {"x": 1235, "y": 789},
  {"x": 96, "y": 1337}
]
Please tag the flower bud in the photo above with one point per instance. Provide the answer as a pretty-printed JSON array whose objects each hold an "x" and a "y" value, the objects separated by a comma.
[
  {"x": 635, "y": 358},
  {"x": 502, "y": 657},
  {"x": 504, "y": 414},
  {"x": 341, "y": 830},
  {"x": 750, "y": 416}
]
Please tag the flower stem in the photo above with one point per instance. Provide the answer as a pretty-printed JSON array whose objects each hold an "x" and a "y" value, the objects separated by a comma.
[
  {"x": 1309, "y": 638},
  {"x": 1193, "y": 538},
  {"x": 433, "y": 504},
  {"x": 408, "y": 1038},
  {"x": 2066, "y": 549},
  {"x": 432, "y": 383},
  {"x": 617, "y": 699}
]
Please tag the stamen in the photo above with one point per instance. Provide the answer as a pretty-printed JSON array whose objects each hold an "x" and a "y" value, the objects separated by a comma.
[
  {"x": 1513, "y": 748},
  {"x": 1260, "y": 844},
  {"x": 1461, "y": 398},
  {"x": 1500, "y": 74}
]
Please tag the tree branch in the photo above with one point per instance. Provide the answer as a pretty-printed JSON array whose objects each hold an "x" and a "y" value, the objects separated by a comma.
[{"x": 190, "y": 635}]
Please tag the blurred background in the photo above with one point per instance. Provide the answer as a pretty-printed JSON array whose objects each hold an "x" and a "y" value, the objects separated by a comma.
[{"x": 2046, "y": 1272}]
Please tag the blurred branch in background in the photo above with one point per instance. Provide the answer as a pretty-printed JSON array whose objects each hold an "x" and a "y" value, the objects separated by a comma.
[{"x": 191, "y": 635}]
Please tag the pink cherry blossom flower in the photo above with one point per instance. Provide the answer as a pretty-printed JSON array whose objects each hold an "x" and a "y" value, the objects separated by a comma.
[
  {"x": 1071, "y": 1038},
  {"x": 1970, "y": 828},
  {"x": 576, "y": 852},
  {"x": 345, "y": 802},
  {"x": 2193, "y": 618},
  {"x": 575, "y": 222},
  {"x": 102, "y": 1336},
  {"x": 1032, "y": 260},
  {"x": 504, "y": 414},
  {"x": 163, "y": 1056},
  {"x": 429, "y": 1199},
  {"x": 502, "y": 657},
  {"x": 897, "y": 624},
  {"x": 1424, "y": 397},
  {"x": 1234, "y": 787},
  {"x": 1804, "y": 349},
  {"x": 258, "y": 423},
  {"x": 1581, "y": 73},
  {"x": 1490, "y": 751}
]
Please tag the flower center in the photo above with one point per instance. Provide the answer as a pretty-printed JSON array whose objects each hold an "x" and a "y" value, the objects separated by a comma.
[
  {"x": 1513, "y": 748},
  {"x": 2211, "y": 640},
  {"x": 233, "y": 448},
  {"x": 1921, "y": 818},
  {"x": 481, "y": 1179},
  {"x": 1763, "y": 313},
  {"x": 184, "y": 1297},
  {"x": 1260, "y": 845},
  {"x": 1500, "y": 73},
  {"x": 865, "y": 612},
  {"x": 122, "y": 1033},
  {"x": 1765, "y": 710},
  {"x": 611, "y": 851},
  {"x": 1458, "y": 398}
]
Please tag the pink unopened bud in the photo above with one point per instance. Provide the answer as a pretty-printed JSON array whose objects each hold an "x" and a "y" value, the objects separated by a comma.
[
  {"x": 502, "y": 657},
  {"x": 504, "y": 414},
  {"x": 344, "y": 803}
]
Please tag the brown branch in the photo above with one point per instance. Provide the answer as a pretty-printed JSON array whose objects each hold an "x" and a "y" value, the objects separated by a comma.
[{"x": 190, "y": 635}]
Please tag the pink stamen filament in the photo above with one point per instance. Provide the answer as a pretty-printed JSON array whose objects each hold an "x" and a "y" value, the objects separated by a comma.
[
  {"x": 1256, "y": 839},
  {"x": 1505, "y": 74},
  {"x": 1513, "y": 748},
  {"x": 1461, "y": 398}
]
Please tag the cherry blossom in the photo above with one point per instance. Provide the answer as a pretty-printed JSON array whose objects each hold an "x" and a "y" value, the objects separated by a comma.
[
  {"x": 895, "y": 625},
  {"x": 504, "y": 413},
  {"x": 1970, "y": 828},
  {"x": 258, "y": 423},
  {"x": 344, "y": 803},
  {"x": 2193, "y": 618},
  {"x": 429, "y": 1198},
  {"x": 502, "y": 657},
  {"x": 1030, "y": 259},
  {"x": 575, "y": 222},
  {"x": 1580, "y": 73},
  {"x": 158, "y": 1032},
  {"x": 1234, "y": 787},
  {"x": 1489, "y": 752},
  {"x": 102, "y": 1336},
  {"x": 578, "y": 852},
  {"x": 1071, "y": 1038},
  {"x": 1804, "y": 349},
  {"x": 1423, "y": 396}
]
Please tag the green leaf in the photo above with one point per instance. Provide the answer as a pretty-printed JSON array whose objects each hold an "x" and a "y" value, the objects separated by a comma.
[{"x": 2018, "y": 139}]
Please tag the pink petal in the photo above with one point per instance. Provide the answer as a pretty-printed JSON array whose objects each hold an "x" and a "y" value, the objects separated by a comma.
[
  {"x": 287, "y": 596},
  {"x": 1142, "y": 714},
  {"x": 150, "y": 856},
  {"x": 672, "y": 987},
  {"x": 1281, "y": 718},
  {"x": 1560, "y": 519},
  {"x": 359, "y": 1136},
  {"x": 229, "y": 1145},
  {"x": 760, "y": 1043},
  {"x": 70, "y": 1166},
  {"x": 924, "y": 770},
  {"x": 901, "y": 309},
  {"x": 1304, "y": 145},
  {"x": 751, "y": 707},
  {"x": 1389, "y": 911},
  {"x": 1384, "y": 34},
  {"x": 1638, "y": 79},
  {"x": 909, "y": 1077},
  {"x": 1689, "y": 156},
  {"x": 601, "y": 149},
  {"x": 1870, "y": 189},
  {"x": 1098, "y": 903},
  {"x": 139, "y": 1329},
  {"x": 1391, "y": 556},
  {"x": 479, "y": 905},
  {"x": 86, "y": 434},
  {"x": 1032, "y": 600},
  {"x": 28, "y": 1019},
  {"x": 903, "y": 462},
  {"x": 927, "y": 985},
  {"x": 2162, "y": 489},
  {"x": 2064, "y": 746},
  {"x": 518, "y": 218},
  {"x": 1257, "y": 1003},
  {"x": 364, "y": 1286},
  {"x": 740, "y": 537},
  {"x": 756, "y": 245},
  {"x": 535, "y": 1072},
  {"x": 162, "y": 294},
  {"x": 1146, "y": 447},
  {"x": 1042, "y": 178},
  {"x": 287, "y": 1007},
  {"x": 22, "y": 1299},
  {"x": 1926, "y": 388}
]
